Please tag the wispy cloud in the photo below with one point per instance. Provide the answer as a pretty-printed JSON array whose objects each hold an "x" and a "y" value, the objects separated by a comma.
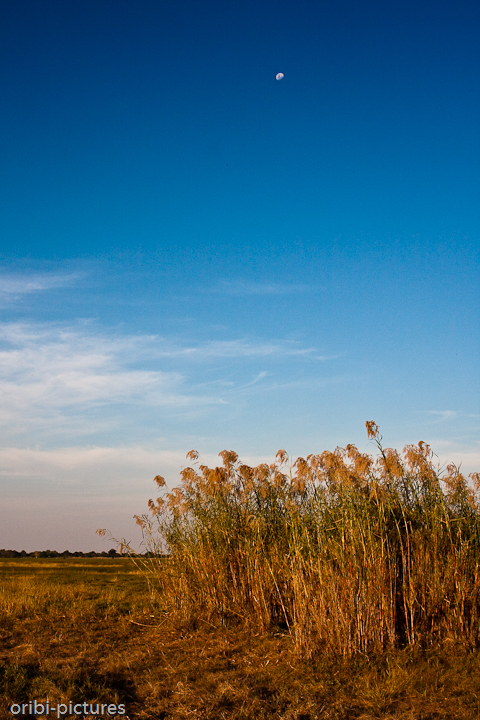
[
  {"x": 54, "y": 377},
  {"x": 234, "y": 348},
  {"x": 255, "y": 380},
  {"x": 324, "y": 358},
  {"x": 13, "y": 287},
  {"x": 442, "y": 415},
  {"x": 58, "y": 380},
  {"x": 248, "y": 287}
]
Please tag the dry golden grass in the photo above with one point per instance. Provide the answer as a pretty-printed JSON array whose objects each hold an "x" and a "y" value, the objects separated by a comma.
[
  {"x": 84, "y": 631},
  {"x": 344, "y": 587}
]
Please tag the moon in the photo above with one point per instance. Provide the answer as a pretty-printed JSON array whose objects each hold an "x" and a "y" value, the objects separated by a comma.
[{"x": 279, "y": 76}]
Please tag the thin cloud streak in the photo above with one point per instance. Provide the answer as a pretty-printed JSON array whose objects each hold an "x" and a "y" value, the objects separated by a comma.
[
  {"x": 443, "y": 415},
  {"x": 13, "y": 287},
  {"x": 138, "y": 346},
  {"x": 255, "y": 380},
  {"x": 236, "y": 348},
  {"x": 243, "y": 287}
]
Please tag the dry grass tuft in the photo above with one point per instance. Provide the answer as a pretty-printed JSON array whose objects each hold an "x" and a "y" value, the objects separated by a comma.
[{"x": 348, "y": 553}]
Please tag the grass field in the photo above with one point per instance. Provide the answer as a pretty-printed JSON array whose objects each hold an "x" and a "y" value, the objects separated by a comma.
[
  {"x": 89, "y": 631},
  {"x": 342, "y": 587}
]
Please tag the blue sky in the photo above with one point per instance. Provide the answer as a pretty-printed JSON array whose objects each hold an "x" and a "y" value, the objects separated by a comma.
[{"x": 195, "y": 255}]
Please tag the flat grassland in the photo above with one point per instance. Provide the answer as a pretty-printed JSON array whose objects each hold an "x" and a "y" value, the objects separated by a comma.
[{"x": 90, "y": 630}]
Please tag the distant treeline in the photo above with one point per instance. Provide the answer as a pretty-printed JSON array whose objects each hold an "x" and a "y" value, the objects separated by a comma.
[{"x": 53, "y": 553}]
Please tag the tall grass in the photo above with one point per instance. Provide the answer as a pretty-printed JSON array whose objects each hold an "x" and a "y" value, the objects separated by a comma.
[{"x": 347, "y": 552}]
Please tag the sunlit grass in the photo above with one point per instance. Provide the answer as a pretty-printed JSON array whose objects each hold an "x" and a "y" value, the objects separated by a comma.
[
  {"x": 89, "y": 632},
  {"x": 32, "y": 589},
  {"x": 56, "y": 617}
]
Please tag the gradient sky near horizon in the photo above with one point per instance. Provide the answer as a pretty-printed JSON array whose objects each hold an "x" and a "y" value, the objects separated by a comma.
[{"x": 196, "y": 255}]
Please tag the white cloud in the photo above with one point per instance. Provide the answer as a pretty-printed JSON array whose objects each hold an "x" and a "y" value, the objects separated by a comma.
[
  {"x": 235, "y": 348},
  {"x": 61, "y": 380},
  {"x": 255, "y": 380},
  {"x": 14, "y": 286},
  {"x": 55, "y": 376},
  {"x": 243, "y": 287},
  {"x": 443, "y": 415}
]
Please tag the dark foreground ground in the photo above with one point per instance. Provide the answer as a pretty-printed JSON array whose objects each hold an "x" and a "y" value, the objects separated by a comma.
[{"x": 88, "y": 631}]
